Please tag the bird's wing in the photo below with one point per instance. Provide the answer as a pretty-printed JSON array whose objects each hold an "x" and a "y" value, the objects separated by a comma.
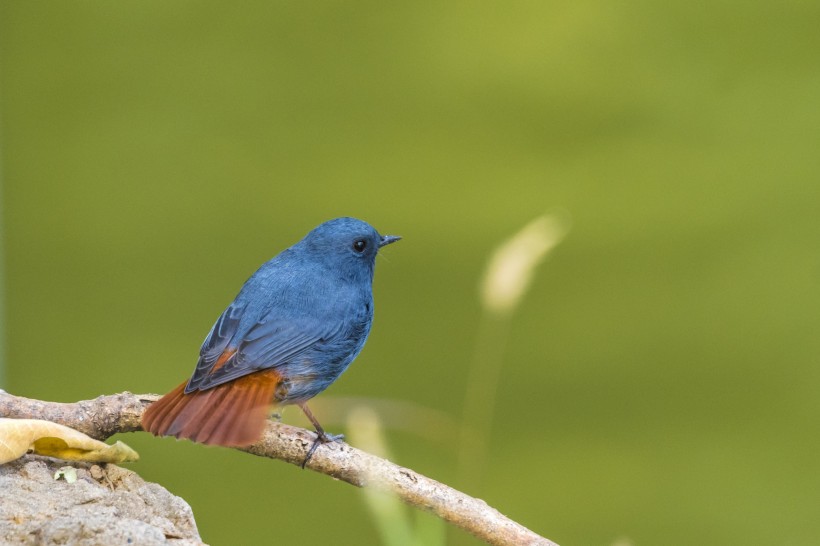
[
  {"x": 215, "y": 348},
  {"x": 271, "y": 342}
]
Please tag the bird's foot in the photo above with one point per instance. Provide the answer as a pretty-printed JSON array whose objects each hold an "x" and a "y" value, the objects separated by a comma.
[{"x": 322, "y": 437}]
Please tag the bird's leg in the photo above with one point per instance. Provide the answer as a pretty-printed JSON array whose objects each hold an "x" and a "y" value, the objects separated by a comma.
[{"x": 322, "y": 436}]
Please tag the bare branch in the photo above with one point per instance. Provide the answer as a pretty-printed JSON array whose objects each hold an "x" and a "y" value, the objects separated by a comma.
[{"x": 108, "y": 415}]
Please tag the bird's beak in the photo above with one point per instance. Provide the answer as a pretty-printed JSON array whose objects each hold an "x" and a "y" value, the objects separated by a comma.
[{"x": 387, "y": 239}]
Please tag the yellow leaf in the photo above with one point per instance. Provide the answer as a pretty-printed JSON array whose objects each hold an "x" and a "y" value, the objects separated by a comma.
[{"x": 18, "y": 436}]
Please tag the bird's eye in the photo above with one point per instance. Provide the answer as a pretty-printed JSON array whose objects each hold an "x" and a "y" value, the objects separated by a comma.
[{"x": 359, "y": 245}]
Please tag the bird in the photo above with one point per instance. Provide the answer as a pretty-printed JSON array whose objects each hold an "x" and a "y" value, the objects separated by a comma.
[{"x": 295, "y": 326}]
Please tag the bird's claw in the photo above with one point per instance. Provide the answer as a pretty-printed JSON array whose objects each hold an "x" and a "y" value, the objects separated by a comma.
[{"x": 321, "y": 438}]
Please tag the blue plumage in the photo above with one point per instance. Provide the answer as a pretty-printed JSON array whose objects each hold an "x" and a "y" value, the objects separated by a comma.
[{"x": 302, "y": 317}]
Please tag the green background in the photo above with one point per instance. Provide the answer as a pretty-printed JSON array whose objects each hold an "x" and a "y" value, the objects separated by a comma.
[{"x": 661, "y": 379}]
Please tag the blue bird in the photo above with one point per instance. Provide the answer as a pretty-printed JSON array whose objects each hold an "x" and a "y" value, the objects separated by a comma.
[{"x": 295, "y": 326}]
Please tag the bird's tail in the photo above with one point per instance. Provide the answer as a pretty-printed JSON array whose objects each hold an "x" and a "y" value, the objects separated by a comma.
[{"x": 231, "y": 414}]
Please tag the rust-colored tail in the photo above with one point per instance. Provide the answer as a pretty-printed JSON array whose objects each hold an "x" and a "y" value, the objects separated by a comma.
[{"x": 232, "y": 414}]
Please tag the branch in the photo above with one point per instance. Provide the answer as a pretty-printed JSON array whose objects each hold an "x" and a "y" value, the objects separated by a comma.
[{"x": 107, "y": 415}]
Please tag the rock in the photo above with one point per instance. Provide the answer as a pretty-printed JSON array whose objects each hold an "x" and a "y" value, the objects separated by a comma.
[{"x": 106, "y": 506}]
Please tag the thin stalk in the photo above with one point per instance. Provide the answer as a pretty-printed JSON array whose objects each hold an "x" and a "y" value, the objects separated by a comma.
[{"x": 480, "y": 396}]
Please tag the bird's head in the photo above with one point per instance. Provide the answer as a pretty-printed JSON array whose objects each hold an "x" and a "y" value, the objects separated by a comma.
[{"x": 347, "y": 243}]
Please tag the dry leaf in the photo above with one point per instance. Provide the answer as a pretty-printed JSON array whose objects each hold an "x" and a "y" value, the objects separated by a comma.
[{"x": 17, "y": 436}]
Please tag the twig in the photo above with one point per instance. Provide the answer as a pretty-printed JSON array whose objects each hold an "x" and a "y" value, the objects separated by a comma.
[{"x": 107, "y": 415}]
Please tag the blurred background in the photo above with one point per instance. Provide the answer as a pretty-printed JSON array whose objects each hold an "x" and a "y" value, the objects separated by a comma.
[{"x": 658, "y": 382}]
